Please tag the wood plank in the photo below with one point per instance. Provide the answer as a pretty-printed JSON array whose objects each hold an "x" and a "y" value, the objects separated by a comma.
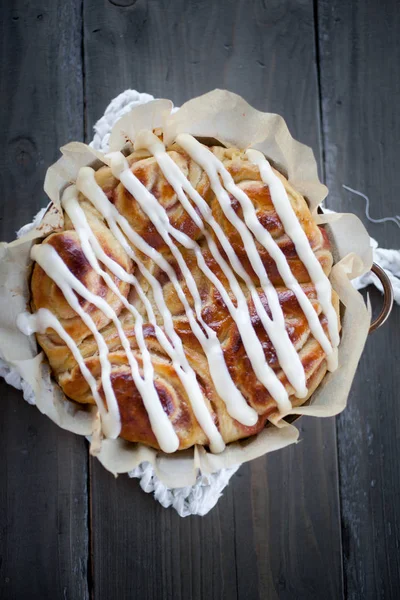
[
  {"x": 142, "y": 550},
  {"x": 359, "y": 47},
  {"x": 164, "y": 49},
  {"x": 285, "y": 520},
  {"x": 276, "y": 531},
  {"x": 43, "y": 470}
]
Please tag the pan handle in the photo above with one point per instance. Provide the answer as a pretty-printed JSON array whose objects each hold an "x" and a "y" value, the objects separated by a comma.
[{"x": 387, "y": 298}]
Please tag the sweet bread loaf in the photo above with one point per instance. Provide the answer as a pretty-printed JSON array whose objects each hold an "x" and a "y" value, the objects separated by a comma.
[{"x": 187, "y": 295}]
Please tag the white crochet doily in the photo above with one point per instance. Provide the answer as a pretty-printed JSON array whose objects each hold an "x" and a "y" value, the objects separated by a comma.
[{"x": 200, "y": 498}]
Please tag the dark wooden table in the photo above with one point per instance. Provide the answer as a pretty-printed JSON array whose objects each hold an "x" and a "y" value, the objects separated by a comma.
[{"x": 317, "y": 520}]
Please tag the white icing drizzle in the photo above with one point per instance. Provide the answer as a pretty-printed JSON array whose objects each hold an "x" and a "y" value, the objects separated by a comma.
[
  {"x": 241, "y": 316},
  {"x": 46, "y": 256},
  {"x": 51, "y": 263},
  {"x": 235, "y": 403},
  {"x": 296, "y": 233},
  {"x": 214, "y": 168},
  {"x": 42, "y": 320},
  {"x": 288, "y": 357},
  {"x": 161, "y": 425},
  {"x": 87, "y": 184}
]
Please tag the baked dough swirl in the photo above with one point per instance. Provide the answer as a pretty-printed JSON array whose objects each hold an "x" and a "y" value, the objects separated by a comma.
[{"x": 187, "y": 294}]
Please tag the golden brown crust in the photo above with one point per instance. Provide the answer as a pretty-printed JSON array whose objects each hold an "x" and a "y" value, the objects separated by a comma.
[
  {"x": 46, "y": 294},
  {"x": 135, "y": 422}
]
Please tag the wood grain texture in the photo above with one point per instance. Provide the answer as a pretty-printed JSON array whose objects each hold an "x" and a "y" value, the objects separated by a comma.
[
  {"x": 43, "y": 505},
  {"x": 151, "y": 552},
  {"x": 288, "y": 498},
  {"x": 360, "y": 87},
  {"x": 182, "y": 49},
  {"x": 43, "y": 470},
  {"x": 276, "y": 531}
]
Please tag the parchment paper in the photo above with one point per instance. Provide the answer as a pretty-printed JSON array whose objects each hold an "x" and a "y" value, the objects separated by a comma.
[{"x": 228, "y": 118}]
